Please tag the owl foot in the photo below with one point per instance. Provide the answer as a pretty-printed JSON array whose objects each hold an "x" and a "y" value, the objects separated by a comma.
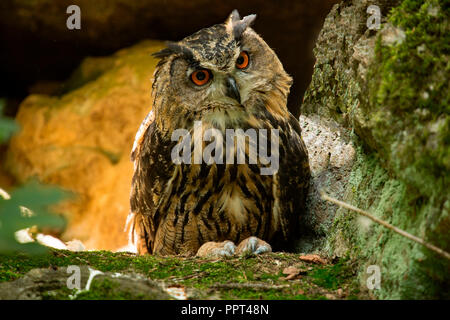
[
  {"x": 216, "y": 249},
  {"x": 253, "y": 245}
]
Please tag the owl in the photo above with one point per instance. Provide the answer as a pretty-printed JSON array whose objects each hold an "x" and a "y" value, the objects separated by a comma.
[{"x": 222, "y": 86}]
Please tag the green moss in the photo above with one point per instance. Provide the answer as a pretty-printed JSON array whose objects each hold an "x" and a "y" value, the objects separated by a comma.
[
  {"x": 398, "y": 107},
  {"x": 60, "y": 294},
  {"x": 105, "y": 289},
  {"x": 409, "y": 97},
  {"x": 409, "y": 100},
  {"x": 332, "y": 277},
  {"x": 108, "y": 290},
  {"x": 408, "y": 269}
]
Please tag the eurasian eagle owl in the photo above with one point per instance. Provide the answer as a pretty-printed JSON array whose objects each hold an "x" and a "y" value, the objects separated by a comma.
[{"x": 203, "y": 177}]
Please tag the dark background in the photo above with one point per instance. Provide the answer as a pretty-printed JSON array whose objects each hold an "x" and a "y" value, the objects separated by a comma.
[{"x": 37, "y": 46}]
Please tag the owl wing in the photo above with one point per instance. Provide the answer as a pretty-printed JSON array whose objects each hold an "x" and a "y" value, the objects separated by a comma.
[
  {"x": 152, "y": 169},
  {"x": 292, "y": 179}
]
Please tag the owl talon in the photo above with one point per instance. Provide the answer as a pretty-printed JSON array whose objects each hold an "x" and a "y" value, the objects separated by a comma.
[
  {"x": 217, "y": 249},
  {"x": 253, "y": 245}
]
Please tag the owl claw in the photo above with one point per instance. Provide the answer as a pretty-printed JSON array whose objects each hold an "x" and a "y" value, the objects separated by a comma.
[
  {"x": 263, "y": 249},
  {"x": 253, "y": 245},
  {"x": 217, "y": 249},
  {"x": 229, "y": 248}
]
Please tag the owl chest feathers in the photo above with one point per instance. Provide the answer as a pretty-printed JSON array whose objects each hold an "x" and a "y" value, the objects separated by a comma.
[
  {"x": 227, "y": 196},
  {"x": 216, "y": 202},
  {"x": 192, "y": 202}
]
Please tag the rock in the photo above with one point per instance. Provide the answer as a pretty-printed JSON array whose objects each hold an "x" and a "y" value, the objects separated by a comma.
[
  {"x": 75, "y": 245},
  {"x": 177, "y": 291},
  {"x": 331, "y": 157},
  {"x": 49, "y": 283},
  {"x": 82, "y": 141},
  {"x": 36, "y": 44},
  {"x": 389, "y": 88}
]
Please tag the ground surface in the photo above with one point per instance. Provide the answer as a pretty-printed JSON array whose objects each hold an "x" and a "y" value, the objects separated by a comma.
[{"x": 152, "y": 277}]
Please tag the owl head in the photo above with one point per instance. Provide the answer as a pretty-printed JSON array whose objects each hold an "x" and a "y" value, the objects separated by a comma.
[{"x": 223, "y": 75}]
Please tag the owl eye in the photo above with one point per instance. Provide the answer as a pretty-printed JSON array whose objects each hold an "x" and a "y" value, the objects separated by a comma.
[
  {"x": 200, "y": 77},
  {"x": 243, "y": 60}
]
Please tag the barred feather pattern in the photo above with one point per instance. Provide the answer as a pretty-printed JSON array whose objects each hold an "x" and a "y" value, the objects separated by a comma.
[{"x": 178, "y": 207}]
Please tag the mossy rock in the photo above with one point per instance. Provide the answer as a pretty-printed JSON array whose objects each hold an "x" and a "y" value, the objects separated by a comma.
[
  {"x": 391, "y": 87},
  {"x": 128, "y": 276}
]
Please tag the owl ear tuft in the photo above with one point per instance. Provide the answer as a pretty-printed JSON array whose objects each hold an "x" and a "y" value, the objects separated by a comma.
[
  {"x": 233, "y": 17},
  {"x": 163, "y": 53},
  {"x": 175, "y": 48},
  {"x": 237, "y": 25}
]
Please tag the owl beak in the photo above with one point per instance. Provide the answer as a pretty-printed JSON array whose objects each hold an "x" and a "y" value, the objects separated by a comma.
[{"x": 232, "y": 89}]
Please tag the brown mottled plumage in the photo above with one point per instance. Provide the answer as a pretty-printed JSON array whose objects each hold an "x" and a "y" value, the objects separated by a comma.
[{"x": 179, "y": 207}]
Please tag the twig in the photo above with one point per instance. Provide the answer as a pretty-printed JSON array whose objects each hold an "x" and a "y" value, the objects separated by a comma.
[
  {"x": 387, "y": 225},
  {"x": 191, "y": 276},
  {"x": 256, "y": 286}
]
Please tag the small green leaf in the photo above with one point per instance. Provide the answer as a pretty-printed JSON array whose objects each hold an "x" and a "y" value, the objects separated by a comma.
[
  {"x": 7, "y": 126},
  {"x": 37, "y": 198}
]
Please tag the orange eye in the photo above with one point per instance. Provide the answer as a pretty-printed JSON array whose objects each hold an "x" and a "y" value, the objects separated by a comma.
[
  {"x": 200, "y": 77},
  {"x": 243, "y": 60}
]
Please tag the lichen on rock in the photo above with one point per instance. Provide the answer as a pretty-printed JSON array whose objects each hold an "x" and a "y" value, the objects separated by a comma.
[
  {"x": 331, "y": 157},
  {"x": 391, "y": 88}
]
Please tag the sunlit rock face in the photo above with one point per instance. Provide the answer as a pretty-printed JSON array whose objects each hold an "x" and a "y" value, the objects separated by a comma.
[{"x": 82, "y": 139}]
